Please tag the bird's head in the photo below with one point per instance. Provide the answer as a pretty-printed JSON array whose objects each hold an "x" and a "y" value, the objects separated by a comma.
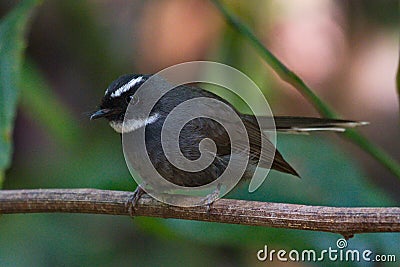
[{"x": 116, "y": 100}]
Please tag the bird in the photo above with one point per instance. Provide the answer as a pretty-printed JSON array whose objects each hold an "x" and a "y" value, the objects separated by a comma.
[{"x": 121, "y": 92}]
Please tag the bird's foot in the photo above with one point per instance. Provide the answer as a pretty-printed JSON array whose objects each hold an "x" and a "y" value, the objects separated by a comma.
[
  {"x": 209, "y": 200},
  {"x": 132, "y": 201}
]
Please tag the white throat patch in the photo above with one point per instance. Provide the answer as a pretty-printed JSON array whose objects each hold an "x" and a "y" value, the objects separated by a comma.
[
  {"x": 126, "y": 87},
  {"x": 132, "y": 125}
]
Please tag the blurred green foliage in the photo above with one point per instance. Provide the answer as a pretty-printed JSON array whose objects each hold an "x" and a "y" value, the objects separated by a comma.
[
  {"x": 292, "y": 78},
  {"x": 39, "y": 103},
  {"x": 12, "y": 45},
  {"x": 398, "y": 81},
  {"x": 64, "y": 150}
]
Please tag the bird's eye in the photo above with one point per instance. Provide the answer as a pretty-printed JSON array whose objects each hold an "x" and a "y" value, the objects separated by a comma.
[{"x": 132, "y": 99}]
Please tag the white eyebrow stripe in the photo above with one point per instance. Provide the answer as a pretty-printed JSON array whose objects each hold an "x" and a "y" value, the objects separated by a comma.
[{"x": 126, "y": 86}]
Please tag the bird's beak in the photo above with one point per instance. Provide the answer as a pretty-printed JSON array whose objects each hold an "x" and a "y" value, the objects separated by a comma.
[{"x": 101, "y": 113}]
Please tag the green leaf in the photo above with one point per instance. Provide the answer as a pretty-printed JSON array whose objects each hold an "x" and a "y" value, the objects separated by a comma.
[{"x": 12, "y": 45}]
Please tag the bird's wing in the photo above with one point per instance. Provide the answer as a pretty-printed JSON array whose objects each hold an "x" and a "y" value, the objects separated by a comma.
[
  {"x": 208, "y": 128},
  {"x": 259, "y": 141}
]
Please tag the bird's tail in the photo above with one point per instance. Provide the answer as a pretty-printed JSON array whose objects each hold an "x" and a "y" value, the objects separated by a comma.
[
  {"x": 308, "y": 124},
  {"x": 291, "y": 124}
]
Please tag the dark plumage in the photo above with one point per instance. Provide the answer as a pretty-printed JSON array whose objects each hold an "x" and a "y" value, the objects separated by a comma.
[{"x": 118, "y": 95}]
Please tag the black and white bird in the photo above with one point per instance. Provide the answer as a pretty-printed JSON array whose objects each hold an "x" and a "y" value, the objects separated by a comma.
[{"x": 121, "y": 92}]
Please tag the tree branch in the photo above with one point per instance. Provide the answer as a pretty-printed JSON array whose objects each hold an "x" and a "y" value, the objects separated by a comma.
[{"x": 346, "y": 221}]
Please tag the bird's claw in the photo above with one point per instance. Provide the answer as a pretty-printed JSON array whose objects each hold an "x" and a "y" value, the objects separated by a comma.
[
  {"x": 133, "y": 200},
  {"x": 209, "y": 200}
]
